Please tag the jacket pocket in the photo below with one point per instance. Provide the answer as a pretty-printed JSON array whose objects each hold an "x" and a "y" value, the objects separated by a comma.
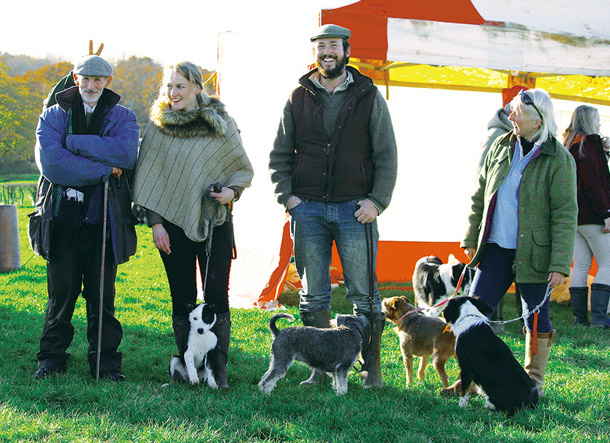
[{"x": 541, "y": 250}]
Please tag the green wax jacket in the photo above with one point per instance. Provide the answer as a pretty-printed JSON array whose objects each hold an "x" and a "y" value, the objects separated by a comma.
[{"x": 547, "y": 209}]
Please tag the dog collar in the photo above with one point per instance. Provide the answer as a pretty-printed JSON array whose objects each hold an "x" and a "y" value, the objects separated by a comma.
[{"x": 414, "y": 311}]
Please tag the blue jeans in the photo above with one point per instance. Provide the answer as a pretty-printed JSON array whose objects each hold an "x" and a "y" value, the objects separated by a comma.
[
  {"x": 314, "y": 226},
  {"x": 495, "y": 275}
]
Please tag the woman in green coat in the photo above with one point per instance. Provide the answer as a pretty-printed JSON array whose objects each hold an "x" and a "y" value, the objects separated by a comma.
[{"x": 523, "y": 220}]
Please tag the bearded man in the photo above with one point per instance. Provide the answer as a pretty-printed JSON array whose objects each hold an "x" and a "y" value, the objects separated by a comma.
[
  {"x": 333, "y": 164},
  {"x": 82, "y": 142}
]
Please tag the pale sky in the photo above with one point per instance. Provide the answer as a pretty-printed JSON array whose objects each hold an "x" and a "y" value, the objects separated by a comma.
[{"x": 166, "y": 31}]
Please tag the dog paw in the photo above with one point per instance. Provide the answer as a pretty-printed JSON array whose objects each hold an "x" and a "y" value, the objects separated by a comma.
[
  {"x": 489, "y": 405},
  {"x": 265, "y": 389},
  {"x": 194, "y": 380},
  {"x": 463, "y": 402}
]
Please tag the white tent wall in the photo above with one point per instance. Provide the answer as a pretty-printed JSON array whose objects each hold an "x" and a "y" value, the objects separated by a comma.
[
  {"x": 453, "y": 44},
  {"x": 438, "y": 133}
]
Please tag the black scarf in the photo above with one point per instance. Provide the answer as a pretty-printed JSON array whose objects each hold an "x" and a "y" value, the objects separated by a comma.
[
  {"x": 79, "y": 119},
  {"x": 526, "y": 145}
]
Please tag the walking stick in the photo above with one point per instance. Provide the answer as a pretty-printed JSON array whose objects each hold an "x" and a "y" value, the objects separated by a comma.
[
  {"x": 368, "y": 228},
  {"x": 98, "y": 351}
]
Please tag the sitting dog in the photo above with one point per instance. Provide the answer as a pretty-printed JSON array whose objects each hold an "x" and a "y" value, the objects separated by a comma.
[
  {"x": 434, "y": 281},
  {"x": 333, "y": 351},
  {"x": 420, "y": 336},
  {"x": 193, "y": 365},
  {"x": 486, "y": 360}
]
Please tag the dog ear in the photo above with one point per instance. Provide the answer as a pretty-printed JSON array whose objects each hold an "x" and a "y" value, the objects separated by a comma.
[
  {"x": 482, "y": 306},
  {"x": 190, "y": 306},
  {"x": 450, "y": 311}
]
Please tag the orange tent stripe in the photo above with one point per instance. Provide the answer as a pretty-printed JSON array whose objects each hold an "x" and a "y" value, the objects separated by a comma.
[
  {"x": 368, "y": 20},
  {"x": 396, "y": 259},
  {"x": 275, "y": 285}
]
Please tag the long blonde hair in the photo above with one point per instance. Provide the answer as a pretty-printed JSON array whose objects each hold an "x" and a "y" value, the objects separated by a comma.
[{"x": 582, "y": 124}]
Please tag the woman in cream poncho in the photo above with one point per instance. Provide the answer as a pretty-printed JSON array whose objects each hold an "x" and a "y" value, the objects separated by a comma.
[{"x": 190, "y": 144}]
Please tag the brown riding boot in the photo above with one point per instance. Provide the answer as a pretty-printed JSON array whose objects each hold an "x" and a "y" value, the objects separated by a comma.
[{"x": 535, "y": 364}]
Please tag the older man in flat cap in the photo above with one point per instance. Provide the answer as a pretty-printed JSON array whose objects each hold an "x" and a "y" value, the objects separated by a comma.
[
  {"x": 82, "y": 142},
  {"x": 333, "y": 164}
]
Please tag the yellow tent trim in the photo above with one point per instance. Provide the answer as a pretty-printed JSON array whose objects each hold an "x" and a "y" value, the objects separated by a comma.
[{"x": 595, "y": 90}]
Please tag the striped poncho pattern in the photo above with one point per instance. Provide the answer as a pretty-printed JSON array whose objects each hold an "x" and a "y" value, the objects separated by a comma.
[{"x": 181, "y": 155}]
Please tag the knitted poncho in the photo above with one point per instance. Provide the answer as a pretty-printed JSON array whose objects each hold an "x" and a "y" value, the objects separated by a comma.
[{"x": 181, "y": 155}]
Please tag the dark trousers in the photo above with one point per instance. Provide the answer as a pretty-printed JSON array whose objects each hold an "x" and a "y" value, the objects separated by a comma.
[
  {"x": 180, "y": 267},
  {"x": 74, "y": 264},
  {"x": 495, "y": 275}
]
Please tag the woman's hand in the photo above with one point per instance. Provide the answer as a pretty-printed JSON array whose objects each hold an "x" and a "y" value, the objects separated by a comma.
[
  {"x": 606, "y": 228},
  {"x": 223, "y": 197},
  {"x": 470, "y": 252},
  {"x": 161, "y": 238},
  {"x": 555, "y": 279}
]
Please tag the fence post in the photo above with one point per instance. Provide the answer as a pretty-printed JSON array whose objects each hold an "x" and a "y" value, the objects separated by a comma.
[{"x": 10, "y": 253}]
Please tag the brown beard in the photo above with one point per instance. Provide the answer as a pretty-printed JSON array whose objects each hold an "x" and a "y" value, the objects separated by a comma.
[{"x": 334, "y": 72}]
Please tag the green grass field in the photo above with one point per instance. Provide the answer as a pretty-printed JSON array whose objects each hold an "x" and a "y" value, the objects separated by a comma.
[{"x": 72, "y": 408}]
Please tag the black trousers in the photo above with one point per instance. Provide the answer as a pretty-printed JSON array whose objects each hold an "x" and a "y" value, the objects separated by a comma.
[
  {"x": 180, "y": 267},
  {"x": 74, "y": 264}
]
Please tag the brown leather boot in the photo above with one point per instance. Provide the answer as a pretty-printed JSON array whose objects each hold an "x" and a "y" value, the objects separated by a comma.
[{"x": 535, "y": 364}]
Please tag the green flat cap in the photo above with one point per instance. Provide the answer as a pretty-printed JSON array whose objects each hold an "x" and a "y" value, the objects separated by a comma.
[{"x": 329, "y": 31}]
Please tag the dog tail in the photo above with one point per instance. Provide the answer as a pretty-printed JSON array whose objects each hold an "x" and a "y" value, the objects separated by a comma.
[{"x": 274, "y": 330}]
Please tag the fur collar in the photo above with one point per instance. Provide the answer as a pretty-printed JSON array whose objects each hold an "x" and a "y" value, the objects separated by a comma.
[{"x": 209, "y": 120}]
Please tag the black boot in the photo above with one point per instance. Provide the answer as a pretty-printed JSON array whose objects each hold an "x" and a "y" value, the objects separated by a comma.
[
  {"x": 600, "y": 295},
  {"x": 220, "y": 354},
  {"x": 181, "y": 326},
  {"x": 317, "y": 319},
  {"x": 580, "y": 305},
  {"x": 371, "y": 351}
]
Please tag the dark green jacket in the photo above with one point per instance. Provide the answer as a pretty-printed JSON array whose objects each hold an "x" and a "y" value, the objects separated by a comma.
[{"x": 547, "y": 208}]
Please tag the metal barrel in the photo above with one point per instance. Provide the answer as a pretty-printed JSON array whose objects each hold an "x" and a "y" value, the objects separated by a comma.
[{"x": 10, "y": 253}]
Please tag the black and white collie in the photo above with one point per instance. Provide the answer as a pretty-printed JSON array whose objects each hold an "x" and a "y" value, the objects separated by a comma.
[
  {"x": 434, "y": 281},
  {"x": 193, "y": 365},
  {"x": 486, "y": 360}
]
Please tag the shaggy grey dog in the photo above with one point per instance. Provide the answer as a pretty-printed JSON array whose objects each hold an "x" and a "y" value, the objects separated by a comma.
[{"x": 333, "y": 351}]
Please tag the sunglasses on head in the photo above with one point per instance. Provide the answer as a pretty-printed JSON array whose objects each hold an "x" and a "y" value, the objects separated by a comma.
[{"x": 526, "y": 99}]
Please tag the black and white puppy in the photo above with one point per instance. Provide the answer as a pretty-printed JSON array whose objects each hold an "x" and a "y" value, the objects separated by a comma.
[
  {"x": 486, "y": 360},
  {"x": 333, "y": 350},
  {"x": 193, "y": 365},
  {"x": 435, "y": 281}
]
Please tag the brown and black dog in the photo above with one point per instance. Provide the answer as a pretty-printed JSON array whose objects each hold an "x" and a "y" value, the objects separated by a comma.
[{"x": 420, "y": 336}]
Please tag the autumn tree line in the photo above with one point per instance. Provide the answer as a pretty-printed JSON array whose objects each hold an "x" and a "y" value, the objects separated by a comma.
[{"x": 25, "y": 83}]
